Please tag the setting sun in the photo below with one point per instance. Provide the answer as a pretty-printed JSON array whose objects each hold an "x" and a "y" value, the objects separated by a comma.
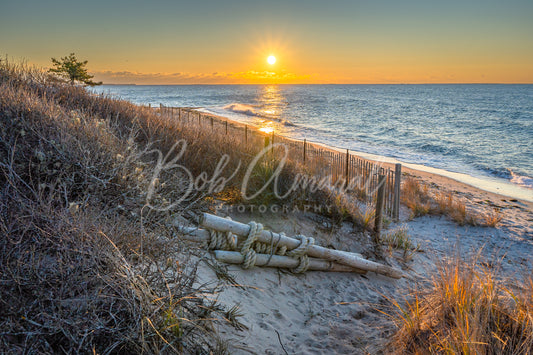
[{"x": 271, "y": 60}]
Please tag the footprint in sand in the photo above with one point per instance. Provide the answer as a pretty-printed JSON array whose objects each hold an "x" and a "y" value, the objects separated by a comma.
[{"x": 278, "y": 314}]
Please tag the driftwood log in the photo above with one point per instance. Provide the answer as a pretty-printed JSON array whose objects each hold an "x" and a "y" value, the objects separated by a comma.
[
  {"x": 234, "y": 257},
  {"x": 210, "y": 221}
]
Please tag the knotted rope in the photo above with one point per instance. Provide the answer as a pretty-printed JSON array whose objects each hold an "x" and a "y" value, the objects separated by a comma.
[
  {"x": 250, "y": 247},
  {"x": 271, "y": 248},
  {"x": 247, "y": 251},
  {"x": 300, "y": 252},
  {"x": 221, "y": 241}
]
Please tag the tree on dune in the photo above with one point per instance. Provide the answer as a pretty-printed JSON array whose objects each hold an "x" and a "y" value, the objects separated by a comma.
[{"x": 73, "y": 69}]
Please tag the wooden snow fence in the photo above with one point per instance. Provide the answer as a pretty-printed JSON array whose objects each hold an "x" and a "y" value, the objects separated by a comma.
[
  {"x": 317, "y": 257},
  {"x": 360, "y": 176}
]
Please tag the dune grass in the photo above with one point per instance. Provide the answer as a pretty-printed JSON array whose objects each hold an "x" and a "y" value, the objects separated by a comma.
[
  {"x": 467, "y": 310},
  {"x": 415, "y": 197},
  {"x": 84, "y": 266},
  {"x": 421, "y": 202},
  {"x": 398, "y": 238}
]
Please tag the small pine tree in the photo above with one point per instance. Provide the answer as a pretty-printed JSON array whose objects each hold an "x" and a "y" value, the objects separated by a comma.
[{"x": 73, "y": 70}]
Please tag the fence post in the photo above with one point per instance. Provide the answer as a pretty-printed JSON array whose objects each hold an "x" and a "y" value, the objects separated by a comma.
[
  {"x": 397, "y": 184},
  {"x": 226, "y": 127},
  {"x": 305, "y": 148},
  {"x": 150, "y": 106},
  {"x": 179, "y": 113},
  {"x": 346, "y": 171},
  {"x": 246, "y": 134},
  {"x": 379, "y": 208},
  {"x": 212, "y": 124}
]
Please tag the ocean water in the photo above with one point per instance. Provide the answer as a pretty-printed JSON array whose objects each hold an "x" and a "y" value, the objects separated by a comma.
[{"x": 480, "y": 134}]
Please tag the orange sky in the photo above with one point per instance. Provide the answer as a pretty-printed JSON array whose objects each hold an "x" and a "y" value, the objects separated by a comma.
[{"x": 356, "y": 41}]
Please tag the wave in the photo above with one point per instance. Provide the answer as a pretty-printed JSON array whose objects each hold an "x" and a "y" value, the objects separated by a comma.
[
  {"x": 242, "y": 109},
  {"x": 253, "y": 112},
  {"x": 524, "y": 181}
]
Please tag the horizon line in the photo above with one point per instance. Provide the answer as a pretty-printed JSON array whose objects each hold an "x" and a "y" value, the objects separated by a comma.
[{"x": 214, "y": 84}]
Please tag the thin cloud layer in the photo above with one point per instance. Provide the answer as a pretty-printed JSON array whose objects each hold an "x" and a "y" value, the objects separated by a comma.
[{"x": 246, "y": 77}]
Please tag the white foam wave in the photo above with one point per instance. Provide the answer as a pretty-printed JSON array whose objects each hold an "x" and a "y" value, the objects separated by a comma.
[
  {"x": 524, "y": 181},
  {"x": 242, "y": 109},
  {"x": 251, "y": 111}
]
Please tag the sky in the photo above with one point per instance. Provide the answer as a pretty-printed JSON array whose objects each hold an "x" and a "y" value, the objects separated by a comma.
[{"x": 315, "y": 42}]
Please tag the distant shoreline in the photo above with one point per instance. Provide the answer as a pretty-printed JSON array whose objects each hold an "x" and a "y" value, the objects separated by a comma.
[{"x": 424, "y": 159}]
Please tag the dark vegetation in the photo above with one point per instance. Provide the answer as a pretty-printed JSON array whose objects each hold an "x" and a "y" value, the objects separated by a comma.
[{"x": 83, "y": 267}]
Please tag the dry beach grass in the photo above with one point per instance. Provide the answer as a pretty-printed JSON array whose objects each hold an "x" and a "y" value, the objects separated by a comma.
[
  {"x": 83, "y": 268},
  {"x": 468, "y": 310}
]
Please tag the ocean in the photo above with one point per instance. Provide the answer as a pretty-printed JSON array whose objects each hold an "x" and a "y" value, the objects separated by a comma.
[{"x": 481, "y": 134}]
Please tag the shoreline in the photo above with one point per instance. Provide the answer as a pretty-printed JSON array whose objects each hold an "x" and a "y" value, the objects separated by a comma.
[{"x": 450, "y": 181}]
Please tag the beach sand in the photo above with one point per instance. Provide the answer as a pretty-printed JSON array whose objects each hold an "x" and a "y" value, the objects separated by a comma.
[{"x": 342, "y": 313}]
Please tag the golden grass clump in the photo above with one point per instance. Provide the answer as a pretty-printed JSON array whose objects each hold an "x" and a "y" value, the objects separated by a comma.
[
  {"x": 467, "y": 311},
  {"x": 422, "y": 202},
  {"x": 415, "y": 197},
  {"x": 456, "y": 210},
  {"x": 492, "y": 218},
  {"x": 344, "y": 208}
]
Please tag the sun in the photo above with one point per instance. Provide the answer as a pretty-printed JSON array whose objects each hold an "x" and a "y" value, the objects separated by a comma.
[{"x": 271, "y": 60}]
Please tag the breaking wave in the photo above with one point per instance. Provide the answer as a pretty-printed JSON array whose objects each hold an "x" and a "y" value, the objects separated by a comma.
[
  {"x": 242, "y": 109},
  {"x": 254, "y": 112},
  {"x": 524, "y": 181}
]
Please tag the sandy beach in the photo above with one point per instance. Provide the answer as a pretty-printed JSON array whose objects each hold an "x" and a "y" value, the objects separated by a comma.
[{"x": 344, "y": 313}]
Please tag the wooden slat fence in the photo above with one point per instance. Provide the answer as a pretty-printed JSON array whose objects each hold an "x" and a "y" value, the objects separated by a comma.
[{"x": 355, "y": 175}]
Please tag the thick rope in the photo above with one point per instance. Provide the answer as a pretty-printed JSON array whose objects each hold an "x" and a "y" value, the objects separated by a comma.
[
  {"x": 302, "y": 248},
  {"x": 221, "y": 241},
  {"x": 300, "y": 252},
  {"x": 250, "y": 247},
  {"x": 247, "y": 251},
  {"x": 271, "y": 248},
  {"x": 302, "y": 266}
]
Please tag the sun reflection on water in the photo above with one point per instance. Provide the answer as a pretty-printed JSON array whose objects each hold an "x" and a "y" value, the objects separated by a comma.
[
  {"x": 272, "y": 104},
  {"x": 267, "y": 129}
]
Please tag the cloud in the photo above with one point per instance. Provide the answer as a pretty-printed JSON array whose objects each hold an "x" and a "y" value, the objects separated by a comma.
[{"x": 245, "y": 77}]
